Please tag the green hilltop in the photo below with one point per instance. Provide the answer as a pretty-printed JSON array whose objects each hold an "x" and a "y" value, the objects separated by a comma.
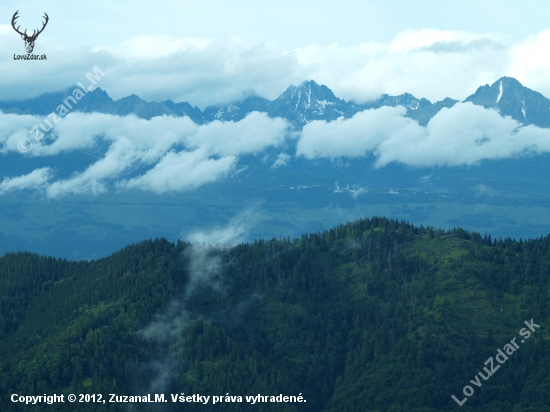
[{"x": 374, "y": 315}]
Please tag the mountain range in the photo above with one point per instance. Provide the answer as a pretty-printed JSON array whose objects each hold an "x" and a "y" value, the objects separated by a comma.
[
  {"x": 299, "y": 105},
  {"x": 504, "y": 197}
]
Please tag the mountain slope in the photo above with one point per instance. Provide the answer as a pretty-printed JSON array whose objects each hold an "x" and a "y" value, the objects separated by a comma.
[{"x": 373, "y": 315}]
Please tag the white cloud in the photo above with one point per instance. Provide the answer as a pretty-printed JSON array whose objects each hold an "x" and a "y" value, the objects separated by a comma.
[
  {"x": 463, "y": 134},
  {"x": 282, "y": 160},
  {"x": 37, "y": 179},
  {"x": 181, "y": 154},
  {"x": 355, "y": 193},
  {"x": 428, "y": 63},
  {"x": 182, "y": 171},
  {"x": 224, "y": 140},
  {"x": 351, "y": 137},
  {"x": 119, "y": 157},
  {"x": 155, "y": 46},
  {"x": 177, "y": 155},
  {"x": 13, "y": 128},
  {"x": 252, "y": 134},
  {"x": 530, "y": 62},
  {"x": 232, "y": 234},
  {"x": 155, "y": 67}
]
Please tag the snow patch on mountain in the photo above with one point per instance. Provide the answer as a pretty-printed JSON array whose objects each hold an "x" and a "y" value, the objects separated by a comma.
[
  {"x": 501, "y": 89},
  {"x": 298, "y": 102}
]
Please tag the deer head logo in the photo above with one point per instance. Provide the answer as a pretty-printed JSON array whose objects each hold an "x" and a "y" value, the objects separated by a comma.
[{"x": 29, "y": 40}]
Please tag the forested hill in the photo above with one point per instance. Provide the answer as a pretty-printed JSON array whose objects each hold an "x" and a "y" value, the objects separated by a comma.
[{"x": 375, "y": 315}]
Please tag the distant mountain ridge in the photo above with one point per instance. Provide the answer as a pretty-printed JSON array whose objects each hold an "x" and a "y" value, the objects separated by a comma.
[{"x": 299, "y": 105}]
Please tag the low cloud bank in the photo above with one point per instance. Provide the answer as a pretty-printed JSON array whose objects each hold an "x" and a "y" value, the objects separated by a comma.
[
  {"x": 177, "y": 155},
  {"x": 180, "y": 154},
  {"x": 462, "y": 135}
]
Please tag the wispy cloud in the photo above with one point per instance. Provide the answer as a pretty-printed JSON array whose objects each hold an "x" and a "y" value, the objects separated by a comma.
[
  {"x": 37, "y": 179},
  {"x": 281, "y": 160},
  {"x": 181, "y": 171},
  {"x": 205, "y": 268},
  {"x": 233, "y": 233}
]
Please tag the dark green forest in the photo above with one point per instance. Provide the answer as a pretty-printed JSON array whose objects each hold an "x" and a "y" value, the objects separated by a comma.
[{"x": 374, "y": 315}]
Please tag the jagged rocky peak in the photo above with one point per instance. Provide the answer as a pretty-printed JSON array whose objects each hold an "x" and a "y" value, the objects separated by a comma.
[
  {"x": 511, "y": 89},
  {"x": 510, "y": 83},
  {"x": 319, "y": 92},
  {"x": 301, "y": 104},
  {"x": 308, "y": 95},
  {"x": 492, "y": 96},
  {"x": 133, "y": 98},
  {"x": 511, "y": 98}
]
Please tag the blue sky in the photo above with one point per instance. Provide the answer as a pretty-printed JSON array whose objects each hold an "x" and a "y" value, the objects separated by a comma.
[{"x": 287, "y": 23}]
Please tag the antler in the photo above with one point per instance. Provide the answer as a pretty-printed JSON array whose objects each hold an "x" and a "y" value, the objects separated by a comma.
[
  {"x": 15, "y": 16},
  {"x": 44, "y": 24},
  {"x": 34, "y": 34}
]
